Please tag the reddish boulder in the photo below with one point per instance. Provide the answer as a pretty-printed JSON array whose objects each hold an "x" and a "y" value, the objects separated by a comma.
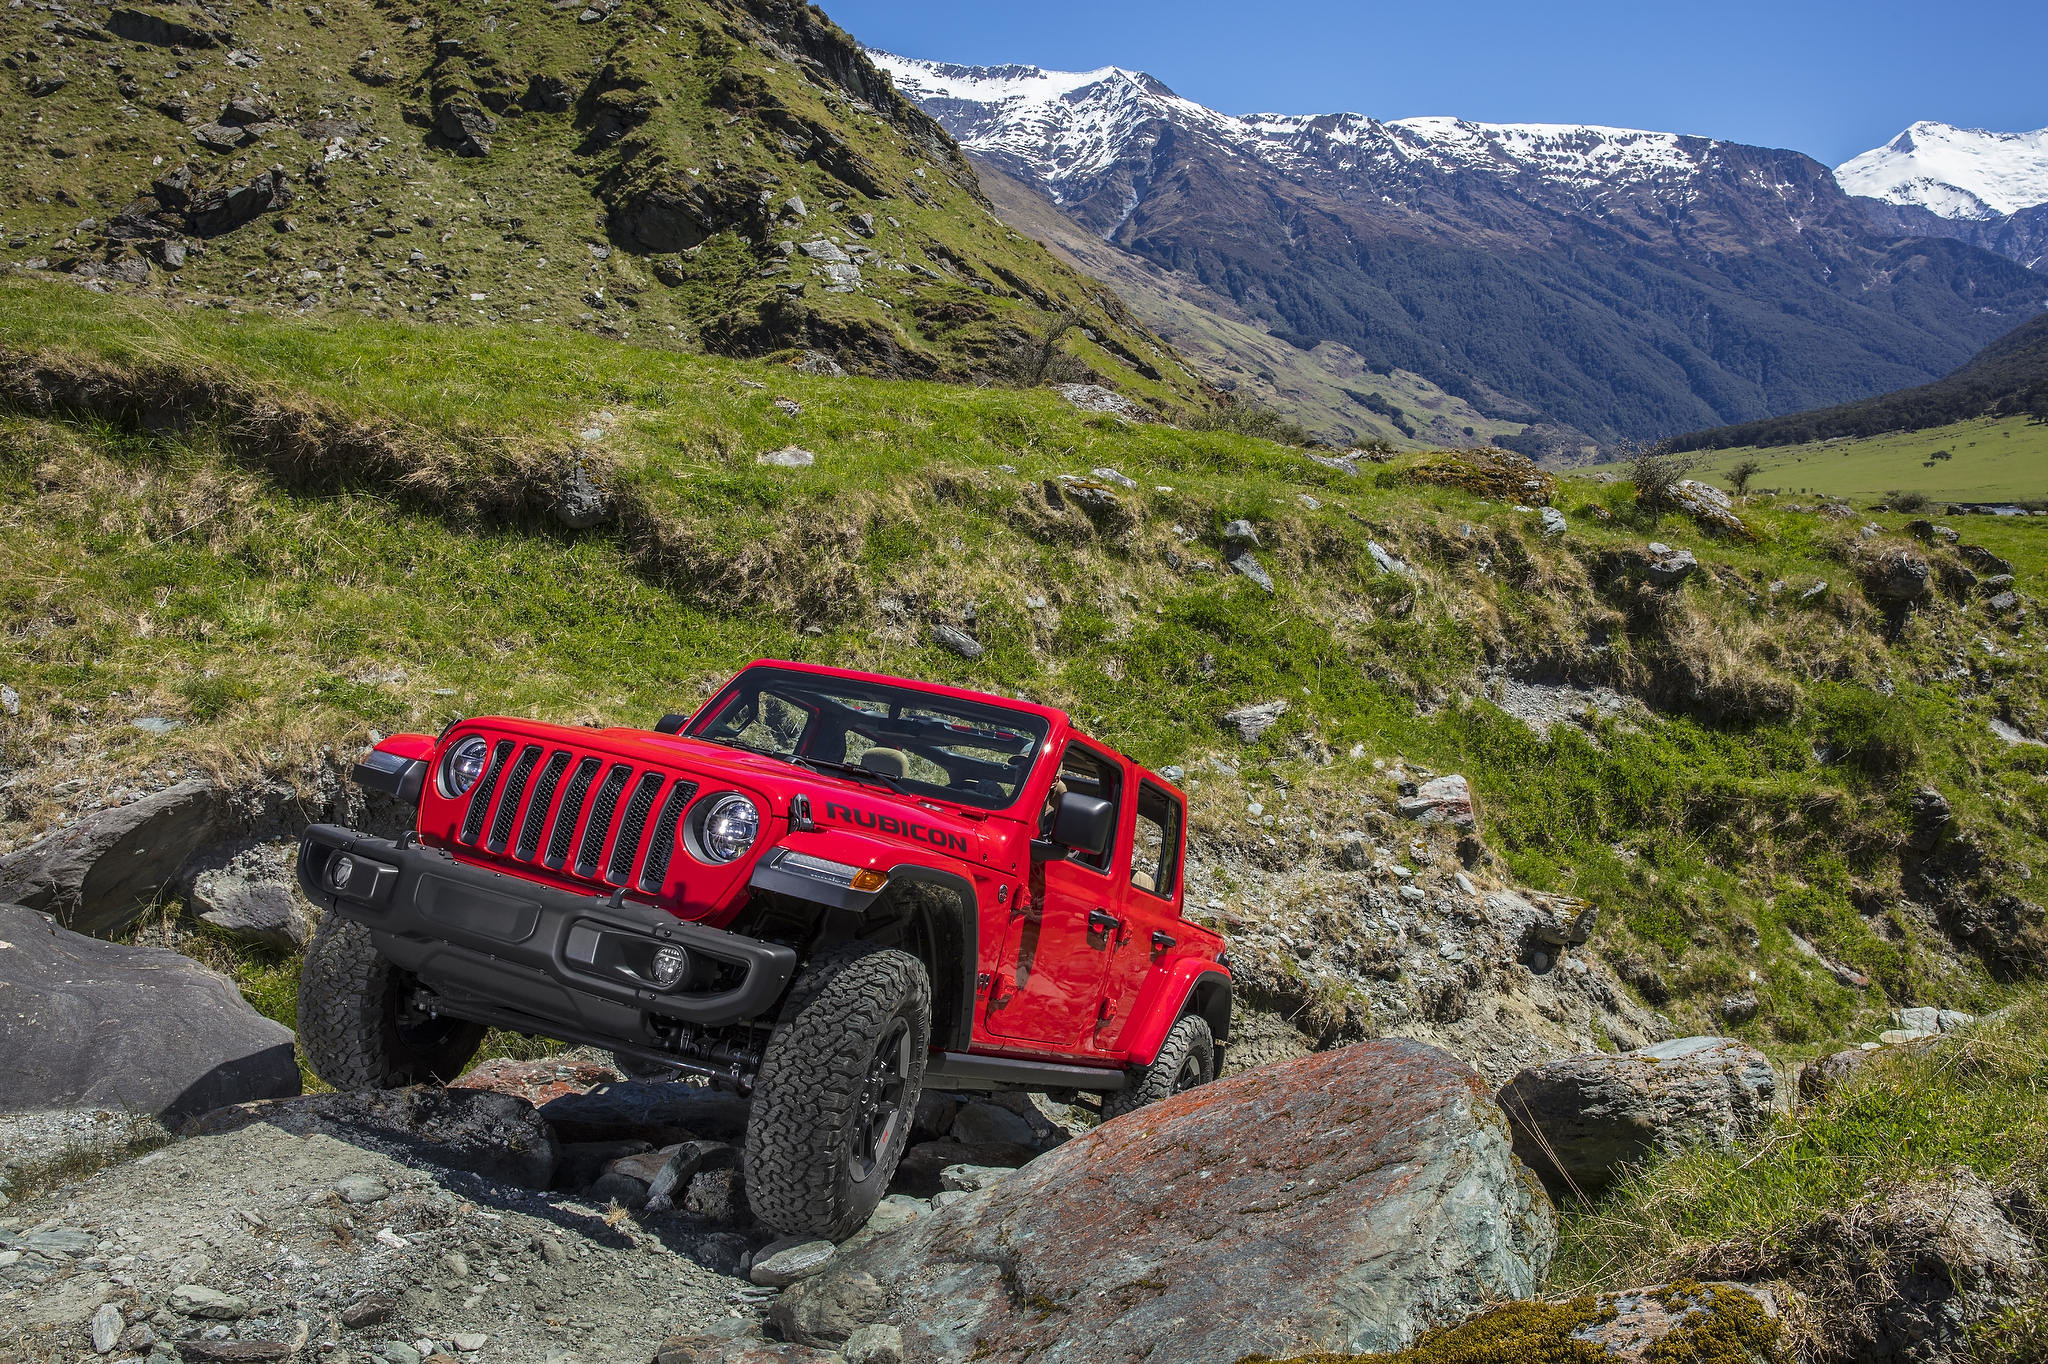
[{"x": 1340, "y": 1202}]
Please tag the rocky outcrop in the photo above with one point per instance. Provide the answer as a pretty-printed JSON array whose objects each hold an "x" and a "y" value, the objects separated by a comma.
[
  {"x": 1580, "y": 1122},
  {"x": 484, "y": 1133},
  {"x": 85, "y": 1023},
  {"x": 1907, "y": 1274},
  {"x": 99, "y": 875},
  {"x": 1345, "y": 1201},
  {"x": 254, "y": 896},
  {"x": 1711, "y": 508}
]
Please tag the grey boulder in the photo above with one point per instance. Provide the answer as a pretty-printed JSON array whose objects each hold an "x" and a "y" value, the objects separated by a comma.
[
  {"x": 1580, "y": 1121},
  {"x": 1341, "y": 1202},
  {"x": 255, "y": 898},
  {"x": 101, "y": 874},
  {"x": 85, "y": 1023}
]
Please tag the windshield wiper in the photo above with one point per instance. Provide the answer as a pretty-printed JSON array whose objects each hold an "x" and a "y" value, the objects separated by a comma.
[{"x": 822, "y": 764}]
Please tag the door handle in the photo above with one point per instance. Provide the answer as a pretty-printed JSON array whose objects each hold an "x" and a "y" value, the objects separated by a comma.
[
  {"x": 1163, "y": 941},
  {"x": 1102, "y": 921}
]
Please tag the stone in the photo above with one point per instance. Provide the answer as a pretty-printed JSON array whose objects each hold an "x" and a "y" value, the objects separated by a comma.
[
  {"x": 1552, "y": 522},
  {"x": 1096, "y": 398},
  {"x": 210, "y": 1304},
  {"x": 222, "y": 137},
  {"x": 581, "y": 502},
  {"x": 204, "y": 1351},
  {"x": 1713, "y": 509},
  {"x": 362, "y": 1190},
  {"x": 685, "y": 1162},
  {"x": 956, "y": 641},
  {"x": 719, "y": 1196},
  {"x": 788, "y": 457},
  {"x": 1112, "y": 476},
  {"x": 106, "y": 1327},
  {"x": 1668, "y": 567},
  {"x": 1636, "y": 1320},
  {"x": 1985, "y": 562},
  {"x": 468, "y": 1342},
  {"x": 824, "y": 250},
  {"x": 1388, "y": 563},
  {"x": 790, "y": 1260},
  {"x": 216, "y": 211},
  {"x": 1818, "y": 1079},
  {"x": 1343, "y": 1202},
  {"x": 924, "y": 1164},
  {"x": 1739, "y": 1008},
  {"x": 934, "y": 1118},
  {"x": 482, "y": 1132},
  {"x": 166, "y": 27},
  {"x": 399, "y": 1352},
  {"x": 971, "y": 1178},
  {"x": 1240, "y": 533},
  {"x": 269, "y": 913},
  {"x": 141, "y": 1029},
  {"x": 1251, "y": 568},
  {"x": 875, "y": 1345},
  {"x": 100, "y": 875},
  {"x": 1601, "y": 1113},
  {"x": 984, "y": 1124},
  {"x": 2003, "y": 603},
  {"x": 818, "y": 363},
  {"x": 246, "y": 109},
  {"x": 10, "y": 700},
  {"x": 1896, "y": 574},
  {"x": 1442, "y": 800},
  {"x": 1252, "y": 721}
]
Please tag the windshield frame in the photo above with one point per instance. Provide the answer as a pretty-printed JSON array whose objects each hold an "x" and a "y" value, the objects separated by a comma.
[{"x": 812, "y": 692}]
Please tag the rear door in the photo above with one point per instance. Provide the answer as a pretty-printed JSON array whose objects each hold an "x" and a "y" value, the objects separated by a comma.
[
  {"x": 1150, "y": 893},
  {"x": 1056, "y": 952}
]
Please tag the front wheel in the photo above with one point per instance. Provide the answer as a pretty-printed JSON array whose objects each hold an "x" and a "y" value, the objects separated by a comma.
[
  {"x": 837, "y": 1090},
  {"x": 1187, "y": 1058},
  {"x": 358, "y": 1028}
]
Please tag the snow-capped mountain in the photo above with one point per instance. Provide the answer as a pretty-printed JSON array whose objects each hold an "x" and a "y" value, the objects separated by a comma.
[
  {"x": 1594, "y": 283},
  {"x": 1963, "y": 173},
  {"x": 1065, "y": 130}
]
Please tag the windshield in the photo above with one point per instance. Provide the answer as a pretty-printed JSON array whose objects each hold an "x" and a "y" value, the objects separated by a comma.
[{"x": 911, "y": 740}]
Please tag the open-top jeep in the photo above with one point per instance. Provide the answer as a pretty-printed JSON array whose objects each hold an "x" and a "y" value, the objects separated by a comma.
[{"x": 825, "y": 888}]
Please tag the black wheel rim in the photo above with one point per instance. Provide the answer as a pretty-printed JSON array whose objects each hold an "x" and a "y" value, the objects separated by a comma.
[
  {"x": 879, "y": 1115},
  {"x": 1190, "y": 1075}
]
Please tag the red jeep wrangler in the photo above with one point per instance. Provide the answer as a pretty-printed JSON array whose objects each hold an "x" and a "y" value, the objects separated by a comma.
[{"x": 826, "y": 888}]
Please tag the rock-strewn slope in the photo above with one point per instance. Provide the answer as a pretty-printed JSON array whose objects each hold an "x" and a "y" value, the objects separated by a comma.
[{"x": 726, "y": 173}]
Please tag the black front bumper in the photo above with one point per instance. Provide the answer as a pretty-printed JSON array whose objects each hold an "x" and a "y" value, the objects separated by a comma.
[{"x": 505, "y": 950}]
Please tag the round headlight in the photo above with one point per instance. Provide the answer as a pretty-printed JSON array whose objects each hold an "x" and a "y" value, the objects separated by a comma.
[
  {"x": 730, "y": 828},
  {"x": 670, "y": 962},
  {"x": 463, "y": 764}
]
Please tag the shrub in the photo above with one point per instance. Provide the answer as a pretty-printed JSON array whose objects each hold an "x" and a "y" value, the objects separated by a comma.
[{"x": 1656, "y": 475}]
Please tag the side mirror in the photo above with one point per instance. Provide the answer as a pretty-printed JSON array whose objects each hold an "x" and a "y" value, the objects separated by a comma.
[{"x": 1084, "y": 823}]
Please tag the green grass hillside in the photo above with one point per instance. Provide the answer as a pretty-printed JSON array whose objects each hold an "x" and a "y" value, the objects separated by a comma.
[
  {"x": 1990, "y": 459},
  {"x": 287, "y": 534},
  {"x": 727, "y": 175}
]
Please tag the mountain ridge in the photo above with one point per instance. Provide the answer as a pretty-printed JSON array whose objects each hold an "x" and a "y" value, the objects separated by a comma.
[{"x": 1592, "y": 285}]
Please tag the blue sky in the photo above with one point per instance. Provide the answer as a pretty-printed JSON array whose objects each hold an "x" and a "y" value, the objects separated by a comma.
[{"x": 1825, "y": 77}]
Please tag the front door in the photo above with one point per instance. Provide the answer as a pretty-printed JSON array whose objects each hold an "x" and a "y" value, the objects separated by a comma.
[{"x": 1057, "y": 949}]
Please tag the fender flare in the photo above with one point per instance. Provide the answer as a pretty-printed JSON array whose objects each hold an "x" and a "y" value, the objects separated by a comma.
[
  {"x": 1193, "y": 985},
  {"x": 951, "y": 937}
]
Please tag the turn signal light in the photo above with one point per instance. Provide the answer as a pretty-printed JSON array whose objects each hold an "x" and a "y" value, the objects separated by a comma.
[{"x": 869, "y": 880}]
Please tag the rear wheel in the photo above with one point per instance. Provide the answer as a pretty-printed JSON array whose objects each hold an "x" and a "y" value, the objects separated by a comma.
[
  {"x": 358, "y": 1028},
  {"x": 1187, "y": 1058},
  {"x": 837, "y": 1090}
]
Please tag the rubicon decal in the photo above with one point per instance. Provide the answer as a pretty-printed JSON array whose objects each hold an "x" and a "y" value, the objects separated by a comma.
[{"x": 892, "y": 824}]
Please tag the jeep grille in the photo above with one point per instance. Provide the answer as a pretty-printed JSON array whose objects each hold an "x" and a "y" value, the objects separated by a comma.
[{"x": 620, "y": 823}]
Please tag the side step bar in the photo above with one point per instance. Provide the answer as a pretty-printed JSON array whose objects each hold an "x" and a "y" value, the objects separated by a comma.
[{"x": 958, "y": 1070}]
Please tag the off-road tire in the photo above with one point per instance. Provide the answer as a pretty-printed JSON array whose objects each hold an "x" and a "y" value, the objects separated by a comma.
[
  {"x": 815, "y": 1161},
  {"x": 353, "y": 1025},
  {"x": 1187, "y": 1058}
]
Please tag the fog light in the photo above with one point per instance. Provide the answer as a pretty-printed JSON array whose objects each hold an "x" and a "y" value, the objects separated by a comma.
[
  {"x": 669, "y": 965},
  {"x": 340, "y": 872}
]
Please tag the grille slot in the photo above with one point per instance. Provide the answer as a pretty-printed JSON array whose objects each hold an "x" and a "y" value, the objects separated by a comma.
[
  {"x": 632, "y": 826},
  {"x": 663, "y": 845},
  {"x": 486, "y": 787},
  {"x": 528, "y": 846},
  {"x": 515, "y": 788},
  {"x": 601, "y": 813},
  {"x": 572, "y": 806}
]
